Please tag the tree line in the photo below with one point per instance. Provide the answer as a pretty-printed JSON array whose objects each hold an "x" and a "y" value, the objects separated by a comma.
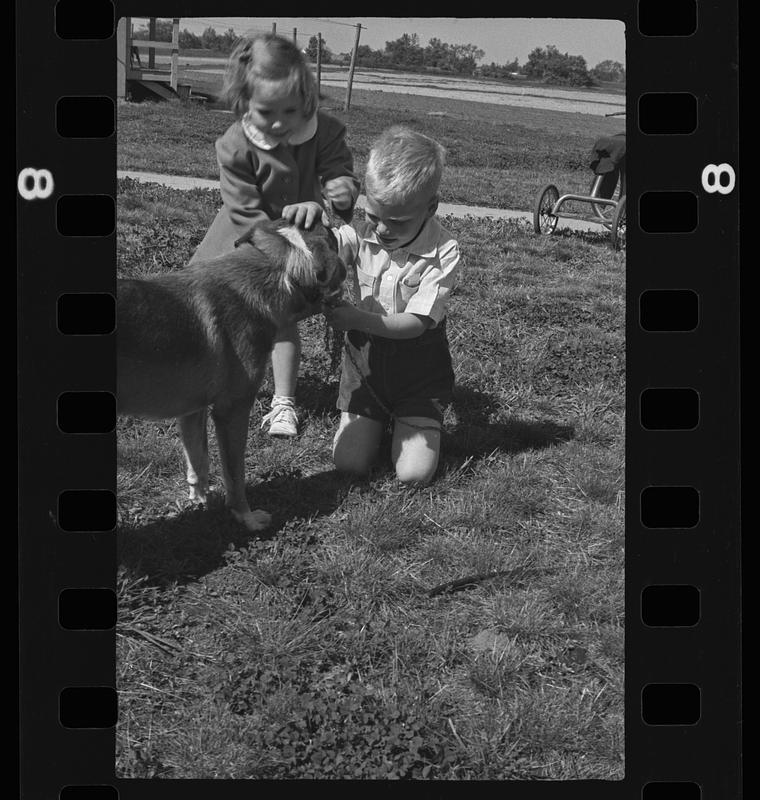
[
  {"x": 208, "y": 40},
  {"x": 545, "y": 64}
]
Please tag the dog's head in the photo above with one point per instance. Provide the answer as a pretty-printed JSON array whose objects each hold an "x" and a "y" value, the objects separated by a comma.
[{"x": 311, "y": 269}]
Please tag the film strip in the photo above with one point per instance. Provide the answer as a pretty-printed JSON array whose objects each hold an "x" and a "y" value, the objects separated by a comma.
[{"x": 683, "y": 705}]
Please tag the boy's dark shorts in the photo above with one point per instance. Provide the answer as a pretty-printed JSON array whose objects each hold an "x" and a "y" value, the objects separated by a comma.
[{"x": 409, "y": 377}]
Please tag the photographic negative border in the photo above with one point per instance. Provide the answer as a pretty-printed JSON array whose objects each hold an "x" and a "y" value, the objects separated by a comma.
[{"x": 683, "y": 699}]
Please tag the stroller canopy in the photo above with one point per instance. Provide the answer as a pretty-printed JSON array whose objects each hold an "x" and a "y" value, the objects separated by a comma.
[{"x": 608, "y": 154}]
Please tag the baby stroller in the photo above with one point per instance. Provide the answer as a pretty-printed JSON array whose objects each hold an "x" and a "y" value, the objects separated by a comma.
[{"x": 608, "y": 165}]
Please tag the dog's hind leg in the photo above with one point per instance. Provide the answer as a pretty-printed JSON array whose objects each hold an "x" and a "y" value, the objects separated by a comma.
[
  {"x": 231, "y": 424},
  {"x": 193, "y": 430}
]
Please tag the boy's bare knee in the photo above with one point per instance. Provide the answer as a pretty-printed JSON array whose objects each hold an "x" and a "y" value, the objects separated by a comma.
[
  {"x": 413, "y": 475},
  {"x": 350, "y": 466},
  {"x": 355, "y": 444},
  {"x": 415, "y": 450},
  {"x": 350, "y": 461}
]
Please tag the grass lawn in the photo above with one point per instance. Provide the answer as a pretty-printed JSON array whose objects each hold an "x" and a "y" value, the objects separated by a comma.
[
  {"x": 498, "y": 156},
  {"x": 470, "y": 630}
]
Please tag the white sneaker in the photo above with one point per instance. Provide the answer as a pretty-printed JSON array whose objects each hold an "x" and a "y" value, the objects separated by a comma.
[{"x": 282, "y": 419}]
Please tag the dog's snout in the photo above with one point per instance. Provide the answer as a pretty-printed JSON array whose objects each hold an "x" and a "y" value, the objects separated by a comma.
[
  {"x": 338, "y": 277},
  {"x": 333, "y": 289}
]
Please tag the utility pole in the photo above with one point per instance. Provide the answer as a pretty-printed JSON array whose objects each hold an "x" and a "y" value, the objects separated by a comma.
[
  {"x": 274, "y": 28},
  {"x": 295, "y": 36},
  {"x": 319, "y": 62},
  {"x": 152, "y": 37},
  {"x": 351, "y": 68}
]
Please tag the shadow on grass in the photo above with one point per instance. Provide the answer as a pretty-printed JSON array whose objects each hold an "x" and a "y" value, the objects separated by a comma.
[
  {"x": 589, "y": 236},
  {"x": 183, "y": 547},
  {"x": 318, "y": 395},
  {"x": 475, "y": 436}
]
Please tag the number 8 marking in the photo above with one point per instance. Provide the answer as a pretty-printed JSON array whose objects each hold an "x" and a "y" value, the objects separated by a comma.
[
  {"x": 711, "y": 171},
  {"x": 35, "y": 184}
]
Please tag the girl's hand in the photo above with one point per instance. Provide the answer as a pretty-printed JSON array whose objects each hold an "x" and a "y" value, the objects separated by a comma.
[
  {"x": 305, "y": 214},
  {"x": 339, "y": 192},
  {"x": 343, "y": 317}
]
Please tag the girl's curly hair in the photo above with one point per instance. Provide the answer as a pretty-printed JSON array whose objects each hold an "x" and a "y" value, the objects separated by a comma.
[{"x": 267, "y": 57}]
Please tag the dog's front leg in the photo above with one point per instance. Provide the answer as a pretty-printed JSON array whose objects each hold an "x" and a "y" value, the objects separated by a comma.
[
  {"x": 193, "y": 430},
  {"x": 231, "y": 424}
]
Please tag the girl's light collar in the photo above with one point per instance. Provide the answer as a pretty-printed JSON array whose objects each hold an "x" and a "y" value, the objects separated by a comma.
[{"x": 266, "y": 142}]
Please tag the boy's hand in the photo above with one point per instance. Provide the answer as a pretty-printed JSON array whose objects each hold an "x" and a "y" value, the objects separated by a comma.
[
  {"x": 343, "y": 316},
  {"x": 305, "y": 214},
  {"x": 339, "y": 192}
]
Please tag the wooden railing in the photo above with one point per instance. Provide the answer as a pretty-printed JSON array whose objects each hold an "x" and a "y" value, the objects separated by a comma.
[{"x": 130, "y": 65}]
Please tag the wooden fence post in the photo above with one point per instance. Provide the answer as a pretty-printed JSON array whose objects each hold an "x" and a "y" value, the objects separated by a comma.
[
  {"x": 174, "y": 79},
  {"x": 123, "y": 45},
  {"x": 347, "y": 104},
  {"x": 152, "y": 37},
  {"x": 319, "y": 63}
]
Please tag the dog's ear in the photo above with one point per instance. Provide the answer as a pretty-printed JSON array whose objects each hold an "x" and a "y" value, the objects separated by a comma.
[
  {"x": 289, "y": 248},
  {"x": 274, "y": 246},
  {"x": 246, "y": 237}
]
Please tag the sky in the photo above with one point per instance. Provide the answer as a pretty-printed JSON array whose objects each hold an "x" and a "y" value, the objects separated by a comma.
[{"x": 502, "y": 39}]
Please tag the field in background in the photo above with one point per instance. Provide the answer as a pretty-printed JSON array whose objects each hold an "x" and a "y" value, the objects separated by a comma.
[
  {"x": 498, "y": 156},
  {"x": 523, "y": 93}
]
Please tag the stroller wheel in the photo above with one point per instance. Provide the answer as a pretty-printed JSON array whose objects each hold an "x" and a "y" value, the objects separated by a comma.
[
  {"x": 599, "y": 189},
  {"x": 543, "y": 220},
  {"x": 618, "y": 226}
]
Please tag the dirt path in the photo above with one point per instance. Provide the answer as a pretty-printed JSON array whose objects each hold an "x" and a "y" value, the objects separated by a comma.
[{"x": 444, "y": 209}]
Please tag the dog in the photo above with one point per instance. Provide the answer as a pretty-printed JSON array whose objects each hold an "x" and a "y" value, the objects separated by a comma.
[{"x": 201, "y": 337}]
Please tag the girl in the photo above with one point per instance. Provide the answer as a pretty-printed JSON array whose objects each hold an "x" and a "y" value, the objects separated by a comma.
[{"x": 280, "y": 150}]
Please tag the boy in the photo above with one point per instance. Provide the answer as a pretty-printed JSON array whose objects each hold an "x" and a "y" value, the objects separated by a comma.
[{"x": 397, "y": 362}]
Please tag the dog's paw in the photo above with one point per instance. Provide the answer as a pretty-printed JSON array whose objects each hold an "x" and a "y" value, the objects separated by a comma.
[
  {"x": 253, "y": 520},
  {"x": 198, "y": 494}
]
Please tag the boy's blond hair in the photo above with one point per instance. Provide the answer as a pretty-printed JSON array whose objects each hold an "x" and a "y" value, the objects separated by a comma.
[
  {"x": 404, "y": 163},
  {"x": 267, "y": 57}
]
